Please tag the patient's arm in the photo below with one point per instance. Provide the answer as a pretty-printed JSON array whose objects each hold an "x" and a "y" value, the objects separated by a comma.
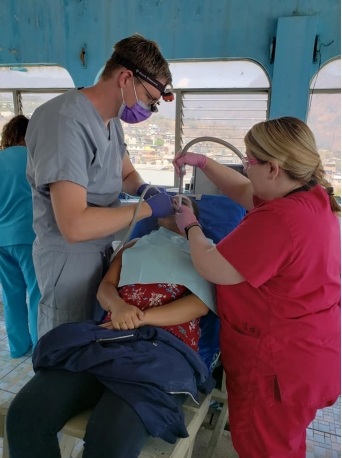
[
  {"x": 179, "y": 311},
  {"x": 123, "y": 315}
]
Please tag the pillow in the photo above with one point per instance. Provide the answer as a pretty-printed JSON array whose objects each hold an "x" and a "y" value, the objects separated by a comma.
[{"x": 219, "y": 215}]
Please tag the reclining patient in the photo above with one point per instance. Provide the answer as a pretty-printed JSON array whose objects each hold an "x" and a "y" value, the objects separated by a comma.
[{"x": 135, "y": 369}]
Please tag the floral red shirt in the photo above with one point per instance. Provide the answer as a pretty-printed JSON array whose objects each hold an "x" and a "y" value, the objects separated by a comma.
[{"x": 157, "y": 294}]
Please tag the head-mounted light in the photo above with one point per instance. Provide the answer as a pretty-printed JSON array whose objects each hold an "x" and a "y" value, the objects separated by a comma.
[
  {"x": 165, "y": 90},
  {"x": 167, "y": 95}
]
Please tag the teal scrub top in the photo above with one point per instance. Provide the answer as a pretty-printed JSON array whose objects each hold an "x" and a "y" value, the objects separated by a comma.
[{"x": 15, "y": 198}]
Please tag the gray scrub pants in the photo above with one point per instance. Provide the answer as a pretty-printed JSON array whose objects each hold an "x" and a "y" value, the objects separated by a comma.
[{"x": 68, "y": 282}]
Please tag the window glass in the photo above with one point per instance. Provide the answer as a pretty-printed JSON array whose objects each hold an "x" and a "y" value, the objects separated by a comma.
[
  {"x": 24, "y": 88},
  {"x": 328, "y": 77},
  {"x": 31, "y": 77},
  {"x": 217, "y": 98},
  {"x": 324, "y": 118},
  {"x": 212, "y": 98},
  {"x": 151, "y": 145},
  {"x": 32, "y": 100},
  {"x": 6, "y": 108},
  {"x": 218, "y": 74},
  {"x": 226, "y": 116}
]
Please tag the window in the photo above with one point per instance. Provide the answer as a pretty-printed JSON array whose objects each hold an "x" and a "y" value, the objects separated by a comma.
[
  {"x": 324, "y": 118},
  {"x": 151, "y": 145},
  {"x": 23, "y": 89},
  {"x": 212, "y": 98}
]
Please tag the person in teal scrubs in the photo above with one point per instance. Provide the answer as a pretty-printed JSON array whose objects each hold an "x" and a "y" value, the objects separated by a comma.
[{"x": 17, "y": 275}]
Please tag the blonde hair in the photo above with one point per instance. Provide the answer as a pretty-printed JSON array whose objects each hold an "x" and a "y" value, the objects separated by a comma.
[
  {"x": 143, "y": 53},
  {"x": 291, "y": 143},
  {"x": 13, "y": 133}
]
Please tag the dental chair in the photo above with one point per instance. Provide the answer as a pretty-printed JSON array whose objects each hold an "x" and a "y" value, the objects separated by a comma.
[{"x": 218, "y": 216}]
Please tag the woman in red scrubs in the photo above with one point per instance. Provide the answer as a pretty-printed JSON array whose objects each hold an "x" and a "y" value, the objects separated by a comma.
[{"x": 278, "y": 288}]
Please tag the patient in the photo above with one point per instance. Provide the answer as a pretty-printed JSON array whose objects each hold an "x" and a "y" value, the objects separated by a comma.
[
  {"x": 134, "y": 370},
  {"x": 157, "y": 270}
]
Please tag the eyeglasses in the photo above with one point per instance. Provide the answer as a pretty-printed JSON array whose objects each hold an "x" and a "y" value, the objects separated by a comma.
[
  {"x": 153, "y": 102},
  {"x": 165, "y": 90},
  {"x": 248, "y": 162}
]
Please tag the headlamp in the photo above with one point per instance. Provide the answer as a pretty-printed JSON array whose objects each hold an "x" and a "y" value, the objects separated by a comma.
[
  {"x": 167, "y": 95},
  {"x": 165, "y": 90}
]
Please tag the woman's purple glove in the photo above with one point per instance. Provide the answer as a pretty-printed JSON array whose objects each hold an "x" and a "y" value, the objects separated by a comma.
[
  {"x": 150, "y": 192},
  {"x": 184, "y": 218},
  {"x": 197, "y": 160},
  {"x": 161, "y": 205}
]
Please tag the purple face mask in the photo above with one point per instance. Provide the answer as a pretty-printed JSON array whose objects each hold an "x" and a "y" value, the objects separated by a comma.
[{"x": 137, "y": 113}]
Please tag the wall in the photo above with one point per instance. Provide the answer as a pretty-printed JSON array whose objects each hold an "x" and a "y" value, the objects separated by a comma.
[{"x": 54, "y": 31}]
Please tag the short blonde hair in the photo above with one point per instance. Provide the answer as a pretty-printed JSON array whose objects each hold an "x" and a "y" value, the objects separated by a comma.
[{"x": 291, "y": 143}]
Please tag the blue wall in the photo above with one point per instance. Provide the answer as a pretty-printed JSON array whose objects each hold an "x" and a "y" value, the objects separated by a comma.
[{"x": 54, "y": 31}]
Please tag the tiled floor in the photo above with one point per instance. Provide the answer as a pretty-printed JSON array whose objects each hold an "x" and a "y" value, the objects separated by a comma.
[{"x": 323, "y": 435}]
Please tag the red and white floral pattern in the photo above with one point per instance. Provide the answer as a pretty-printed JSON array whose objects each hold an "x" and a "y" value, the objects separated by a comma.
[{"x": 156, "y": 295}]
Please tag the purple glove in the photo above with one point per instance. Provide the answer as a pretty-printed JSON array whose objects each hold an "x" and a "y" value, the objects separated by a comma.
[
  {"x": 151, "y": 192},
  {"x": 197, "y": 160},
  {"x": 161, "y": 205},
  {"x": 184, "y": 218}
]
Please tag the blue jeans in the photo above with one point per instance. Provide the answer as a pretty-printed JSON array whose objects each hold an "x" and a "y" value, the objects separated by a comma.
[{"x": 52, "y": 397}]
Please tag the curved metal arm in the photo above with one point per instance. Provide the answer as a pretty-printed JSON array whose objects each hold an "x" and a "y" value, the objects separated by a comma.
[
  {"x": 214, "y": 140},
  {"x": 206, "y": 139}
]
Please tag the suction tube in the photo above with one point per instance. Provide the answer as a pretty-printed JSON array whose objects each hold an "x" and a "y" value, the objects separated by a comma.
[
  {"x": 199, "y": 140},
  {"x": 133, "y": 222}
]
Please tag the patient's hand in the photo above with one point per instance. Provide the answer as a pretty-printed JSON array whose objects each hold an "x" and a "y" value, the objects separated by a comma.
[{"x": 124, "y": 316}]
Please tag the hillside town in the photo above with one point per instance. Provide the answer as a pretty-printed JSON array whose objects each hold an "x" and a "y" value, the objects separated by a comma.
[{"x": 152, "y": 148}]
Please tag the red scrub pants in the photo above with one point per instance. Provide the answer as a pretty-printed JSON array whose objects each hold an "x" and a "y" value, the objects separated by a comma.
[{"x": 268, "y": 431}]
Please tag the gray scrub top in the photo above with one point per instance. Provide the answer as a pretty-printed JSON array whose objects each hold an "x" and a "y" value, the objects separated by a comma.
[{"x": 67, "y": 140}]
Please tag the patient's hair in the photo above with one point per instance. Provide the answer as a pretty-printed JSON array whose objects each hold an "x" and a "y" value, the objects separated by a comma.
[
  {"x": 13, "y": 133},
  {"x": 291, "y": 143}
]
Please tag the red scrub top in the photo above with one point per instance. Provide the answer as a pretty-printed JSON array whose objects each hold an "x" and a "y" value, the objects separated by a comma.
[{"x": 280, "y": 329}]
